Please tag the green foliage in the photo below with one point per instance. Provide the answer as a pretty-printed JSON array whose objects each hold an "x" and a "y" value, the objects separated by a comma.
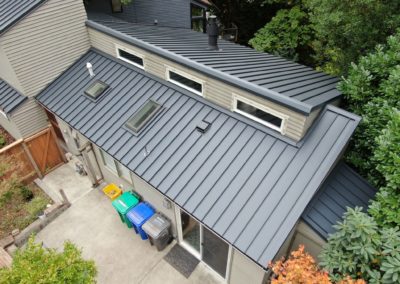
[
  {"x": 3, "y": 141},
  {"x": 385, "y": 208},
  {"x": 360, "y": 248},
  {"x": 26, "y": 192},
  {"x": 346, "y": 29},
  {"x": 288, "y": 34},
  {"x": 36, "y": 264},
  {"x": 371, "y": 90}
]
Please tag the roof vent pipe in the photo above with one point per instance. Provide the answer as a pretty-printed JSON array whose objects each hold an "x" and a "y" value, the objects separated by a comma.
[
  {"x": 212, "y": 31},
  {"x": 89, "y": 67}
]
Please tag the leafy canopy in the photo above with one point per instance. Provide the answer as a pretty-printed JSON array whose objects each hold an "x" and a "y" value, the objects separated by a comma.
[
  {"x": 385, "y": 209},
  {"x": 372, "y": 90},
  {"x": 36, "y": 264},
  {"x": 288, "y": 34}
]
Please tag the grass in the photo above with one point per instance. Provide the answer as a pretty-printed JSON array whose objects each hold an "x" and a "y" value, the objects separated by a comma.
[{"x": 17, "y": 212}]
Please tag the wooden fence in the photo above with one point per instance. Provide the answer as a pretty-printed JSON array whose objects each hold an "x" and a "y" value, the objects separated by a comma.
[{"x": 36, "y": 155}]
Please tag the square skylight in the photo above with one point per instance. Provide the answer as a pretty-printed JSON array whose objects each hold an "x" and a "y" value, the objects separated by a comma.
[
  {"x": 143, "y": 116},
  {"x": 96, "y": 89}
]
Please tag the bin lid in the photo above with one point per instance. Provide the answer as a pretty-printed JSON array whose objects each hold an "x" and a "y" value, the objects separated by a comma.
[
  {"x": 156, "y": 225},
  {"x": 125, "y": 202},
  {"x": 140, "y": 214}
]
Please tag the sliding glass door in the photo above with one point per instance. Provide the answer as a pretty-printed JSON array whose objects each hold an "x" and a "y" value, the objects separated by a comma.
[{"x": 203, "y": 243}]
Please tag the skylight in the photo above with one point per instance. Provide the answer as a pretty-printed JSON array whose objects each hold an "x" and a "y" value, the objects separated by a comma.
[
  {"x": 96, "y": 89},
  {"x": 143, "y": 116}
]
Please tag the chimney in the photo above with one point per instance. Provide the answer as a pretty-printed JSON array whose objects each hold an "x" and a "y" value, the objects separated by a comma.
[{"x": 212, "y": 31}]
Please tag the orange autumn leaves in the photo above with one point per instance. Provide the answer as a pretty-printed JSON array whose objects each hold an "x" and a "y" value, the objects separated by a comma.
[{"x": 300, "y": 268}]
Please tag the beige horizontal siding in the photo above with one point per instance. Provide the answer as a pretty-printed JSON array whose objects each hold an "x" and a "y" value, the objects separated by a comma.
[
  {"x": 216, "y": 91},
  {"x": 30, "y": 118},
  {"x": 46, "y": 42}
]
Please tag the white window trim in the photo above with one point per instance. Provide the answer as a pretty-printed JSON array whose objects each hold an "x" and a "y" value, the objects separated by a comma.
[
  {"x": 184, "y": 74},
  {"x": 284, "y": 118},
  {"x": 115, "y": 171},
  {"x": 117, "y": 47}
]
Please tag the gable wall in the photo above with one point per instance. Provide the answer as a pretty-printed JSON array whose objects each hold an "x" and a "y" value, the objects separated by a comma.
[{"x": 47, "y": 41}]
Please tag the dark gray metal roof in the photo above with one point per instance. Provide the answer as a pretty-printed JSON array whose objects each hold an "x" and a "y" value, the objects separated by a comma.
[
  {"x": 343, "y": 188},
  {"x": 269, "y": 76},
  {"x": 11, "y": 11},
  {"x": 9, "y": 97},
  {"x": 241, "y": 179}
]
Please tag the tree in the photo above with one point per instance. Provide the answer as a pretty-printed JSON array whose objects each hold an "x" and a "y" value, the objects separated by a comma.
[
  {"x": 36, "y": 264},
  {"x": 346, "y": 29},
  {"x": 385, "y": 209},
  {"x": 289, "y": 34},
  {"x": 371, "y": 90},
  {"x": 359, "y": 248},
  {"x": 247, "y": 15},
  {"x": 301, "y": 268}
]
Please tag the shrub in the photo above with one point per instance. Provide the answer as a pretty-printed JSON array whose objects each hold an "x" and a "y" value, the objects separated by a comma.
[
  {"x": 26, "y": 192},
  {"x": 288, "y": 34},
  {"x": 359, "y": 248},
  {"x": 36, "y": 264},
  {"x": 385, "y": 208},
  {"x": 301, "y": 268},
  {"x": 371, "y": 90}
]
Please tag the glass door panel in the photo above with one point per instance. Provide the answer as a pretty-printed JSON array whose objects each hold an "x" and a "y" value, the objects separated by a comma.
[
  {"x": 190, "y": 232},
  {"x": 215, "y": 252}
]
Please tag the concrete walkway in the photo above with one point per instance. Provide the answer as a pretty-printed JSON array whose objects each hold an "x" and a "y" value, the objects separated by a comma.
[
  {"x": 120, "y": 255},
  {"x": 65, "y": 177}
]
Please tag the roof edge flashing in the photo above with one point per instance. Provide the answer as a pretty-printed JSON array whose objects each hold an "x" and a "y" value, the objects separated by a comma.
[{"x": 242, "y": 84}]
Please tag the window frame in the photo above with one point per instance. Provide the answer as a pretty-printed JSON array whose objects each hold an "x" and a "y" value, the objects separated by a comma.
[
  {"x": 137, "y": 130},
  {"x": 188, "y": 76},
  {"x": 107, "y": 87},
  {"x": 117, "y": 165},
  {"x": 134, "y": 53},
  {"x": 103, "y": 153},
  {"x": 281, "y": 129}
]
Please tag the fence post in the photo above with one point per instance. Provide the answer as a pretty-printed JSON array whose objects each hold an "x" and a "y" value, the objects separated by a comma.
[{"x": 30, "y": 158}]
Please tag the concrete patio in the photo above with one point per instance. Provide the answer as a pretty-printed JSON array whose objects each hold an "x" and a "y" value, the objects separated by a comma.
[{"x": 120, "y": 255}]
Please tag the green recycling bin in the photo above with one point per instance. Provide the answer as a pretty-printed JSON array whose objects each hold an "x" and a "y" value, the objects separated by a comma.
[{"x": 123, "y": 204}]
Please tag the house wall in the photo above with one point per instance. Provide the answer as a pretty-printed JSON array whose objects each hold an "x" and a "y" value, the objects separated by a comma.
[
  {"x": 216, "y": 91},
  {"x": 30, "y": 118},
  {"x": 8, "y": 124},
  {"x": 47, "y": 41},
  {"x": 312, "y": 242},
  {"x": 7, "y": 73},
  {"x": 244, "y": 270}
]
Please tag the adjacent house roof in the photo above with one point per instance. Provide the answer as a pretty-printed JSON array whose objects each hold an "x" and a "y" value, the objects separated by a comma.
[
  {"x": 11, "y": 11},
  {"x": 269, "y": 76},
  {"x": 9, "y": 97},
  {"x": 241, "y": 179},
  {"x": 343, "y": 188}
]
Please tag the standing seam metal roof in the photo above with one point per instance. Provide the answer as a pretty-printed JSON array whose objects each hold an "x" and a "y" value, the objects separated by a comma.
[
  {"x": 243, "y": 182},
  {"x": 9, "y": 97},
  {"x": 343, "y": 188},
  {"x": 269, "y": 76},
  {"x": 11, "y": 11}
]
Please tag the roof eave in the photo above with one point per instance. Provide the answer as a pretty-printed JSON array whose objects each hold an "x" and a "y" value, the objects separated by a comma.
[{"x": 254, "y": 89}]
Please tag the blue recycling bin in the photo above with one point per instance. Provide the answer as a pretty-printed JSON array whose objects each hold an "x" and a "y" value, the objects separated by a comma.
[{"x": 138, "y": 215}]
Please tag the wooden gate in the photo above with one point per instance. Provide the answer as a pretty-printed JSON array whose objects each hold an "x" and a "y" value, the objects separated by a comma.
[{"x": 37, "y": 154}]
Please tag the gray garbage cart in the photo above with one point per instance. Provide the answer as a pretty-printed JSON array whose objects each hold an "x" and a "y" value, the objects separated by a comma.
[{"x": 158, "y": 230}]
